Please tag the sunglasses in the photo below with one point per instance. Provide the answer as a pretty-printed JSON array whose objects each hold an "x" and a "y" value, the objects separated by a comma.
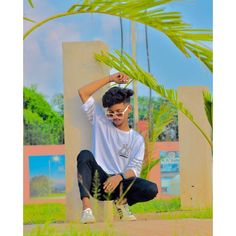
[{"x": 119, "y": 114}]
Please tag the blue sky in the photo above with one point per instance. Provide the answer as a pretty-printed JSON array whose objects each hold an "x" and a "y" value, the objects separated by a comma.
[
  {"x": 39, "y": 165},
  {"x": 43, "y": 48}
]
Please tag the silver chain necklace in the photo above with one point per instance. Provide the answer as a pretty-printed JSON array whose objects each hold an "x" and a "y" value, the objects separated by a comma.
[{"x": 125, "y": 149}]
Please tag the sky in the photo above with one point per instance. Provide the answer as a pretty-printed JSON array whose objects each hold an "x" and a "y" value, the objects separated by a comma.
[
  {"x": 39, "y": 165},
  {"x": 43, "y": 64}
]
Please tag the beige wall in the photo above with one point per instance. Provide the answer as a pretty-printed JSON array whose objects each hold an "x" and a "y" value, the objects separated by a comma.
[
  {"x": 80, "y": 68},
  {"x": 195, "y": 152}
]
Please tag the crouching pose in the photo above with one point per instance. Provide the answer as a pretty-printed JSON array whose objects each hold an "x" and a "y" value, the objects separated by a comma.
[{"x": 117, "y": 152}]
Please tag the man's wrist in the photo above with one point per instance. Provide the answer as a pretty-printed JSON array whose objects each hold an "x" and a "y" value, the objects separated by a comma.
[
  {"x": 120, "y": 176},
  {"x": 110, "y": 78}
]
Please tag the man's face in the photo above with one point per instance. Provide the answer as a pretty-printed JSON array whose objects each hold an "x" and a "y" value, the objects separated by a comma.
[{"x": 117, "y": 110}]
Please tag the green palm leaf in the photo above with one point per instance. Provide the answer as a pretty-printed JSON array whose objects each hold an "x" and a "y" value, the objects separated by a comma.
[
  {"x": 150, "y": 13},
  {"x": 147, "y": 167},
  {"x": 161, "y": 118},
  {"x": 30, "y": 20},
  {"x": 31, "y": 3},
  {"x": 134, "y": 71},
  {"x": 208, "y": 106}
]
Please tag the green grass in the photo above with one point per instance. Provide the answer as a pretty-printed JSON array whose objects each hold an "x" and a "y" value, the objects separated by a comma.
[
  {"x": 164, "y": 209},
  {"x": 157, "y": 205},
  {"x": 41, "y": 213},
  {"x": 52, "y": 195},
  {"x": 194, "y": 213},
  {"x": 70, "y": 230}
]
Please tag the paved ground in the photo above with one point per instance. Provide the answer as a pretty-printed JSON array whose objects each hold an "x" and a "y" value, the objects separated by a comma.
[{"x": 153, "y": 227}]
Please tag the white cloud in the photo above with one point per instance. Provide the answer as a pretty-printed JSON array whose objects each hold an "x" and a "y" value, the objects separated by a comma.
[
  {"x": 109, "y": 26},
  {"x": 43, "y": 56},
  {"x": 60, "y": 32}
]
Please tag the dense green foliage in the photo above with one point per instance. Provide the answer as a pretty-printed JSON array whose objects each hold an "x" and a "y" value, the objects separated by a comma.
[
  {"x": 42, "y": 125},
  {"x": 170, "y": 133}
]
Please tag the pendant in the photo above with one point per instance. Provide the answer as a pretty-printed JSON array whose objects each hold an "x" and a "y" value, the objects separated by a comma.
[{"x": 124, "y": 151}]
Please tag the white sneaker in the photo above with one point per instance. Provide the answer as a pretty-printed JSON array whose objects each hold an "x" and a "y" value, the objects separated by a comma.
[
  {"x": 125, "y": 213},
  {"x": 87, "y": 216}
]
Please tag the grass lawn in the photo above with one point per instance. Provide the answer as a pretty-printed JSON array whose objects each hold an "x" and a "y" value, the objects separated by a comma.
[
  {"x": 157, "y": 205},
  {"x": 164, "y": 209},
  {"x": 41, "y": 213},
  {"x": 52, "y": 195},
  {"x": 71, "y": 230}
]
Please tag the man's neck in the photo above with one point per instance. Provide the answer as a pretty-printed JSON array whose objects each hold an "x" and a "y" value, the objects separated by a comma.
[{"x": 124, "y": 127}]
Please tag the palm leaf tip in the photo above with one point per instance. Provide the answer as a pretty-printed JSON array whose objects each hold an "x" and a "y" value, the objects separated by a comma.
[
  {"x": 28, "y": 19},
  {"x": 208, "y": 104},
  {"x": 31, "y": 3}
]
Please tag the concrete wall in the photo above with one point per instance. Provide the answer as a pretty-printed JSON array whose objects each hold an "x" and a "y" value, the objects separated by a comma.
[
  {"x": 80, "y": 68},
  {"x": 155, "y": 173},
  {"x": 195, "y": 152},
  {"x": 39, "y": 150}
]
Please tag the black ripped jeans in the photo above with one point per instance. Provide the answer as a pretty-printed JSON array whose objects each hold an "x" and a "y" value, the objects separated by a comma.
[{"x": 91, "y": 178}]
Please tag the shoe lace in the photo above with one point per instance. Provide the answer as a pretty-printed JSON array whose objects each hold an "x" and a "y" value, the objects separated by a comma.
[
  {"x": 86, "y": 212},
  {"x": 127, "y": 209},
  {"x": 124, "y": 210}
]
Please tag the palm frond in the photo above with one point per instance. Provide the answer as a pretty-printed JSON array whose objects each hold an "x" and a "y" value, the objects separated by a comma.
[
  {"x": 31, "y": 3},
  {"x": 147, "y": 167},
  {"x": 161, "y": 118},
  {"x": 134, "y": 71},
  {"x": 208, "y": 106},
  {"x": 28, "y": 19},
  {"x": 153, "y": 14}
]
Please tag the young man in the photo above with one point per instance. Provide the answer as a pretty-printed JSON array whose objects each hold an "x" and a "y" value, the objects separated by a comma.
[{"x": 117, "y": 153}]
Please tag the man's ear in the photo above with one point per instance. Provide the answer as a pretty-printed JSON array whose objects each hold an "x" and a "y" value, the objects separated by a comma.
[{"x": 130, "y": 108}]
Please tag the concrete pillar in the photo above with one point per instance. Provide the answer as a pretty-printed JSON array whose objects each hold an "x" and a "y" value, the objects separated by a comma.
[
  {"x": 195, "y": 151},
  {"x": 80, "y": 68}
]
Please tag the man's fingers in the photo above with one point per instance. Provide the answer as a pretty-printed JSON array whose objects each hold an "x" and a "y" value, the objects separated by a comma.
[
  {"x": 109, "y": 189},
  {"x": 122, "y": 77},
  {"x": 105, "y": 184}
]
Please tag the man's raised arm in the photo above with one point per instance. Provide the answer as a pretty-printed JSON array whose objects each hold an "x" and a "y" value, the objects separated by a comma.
[{"x": 86, "y": 91}]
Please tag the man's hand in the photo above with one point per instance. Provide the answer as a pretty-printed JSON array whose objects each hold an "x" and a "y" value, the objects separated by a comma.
[
  {"x": 119, "y": 78},
  {"x": 111, "y": 183}
]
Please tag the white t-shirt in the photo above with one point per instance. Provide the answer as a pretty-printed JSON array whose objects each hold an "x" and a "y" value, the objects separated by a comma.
[{"x": 114, "y": 150}]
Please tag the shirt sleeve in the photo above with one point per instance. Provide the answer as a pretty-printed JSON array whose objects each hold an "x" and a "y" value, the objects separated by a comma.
[
  {"x": 137, "y": 161},
  {"x": 94, "y": 111},
  {"x": 89, "y": 108}
]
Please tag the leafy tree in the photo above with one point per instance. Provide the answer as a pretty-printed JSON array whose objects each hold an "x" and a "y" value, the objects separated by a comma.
[
  {"x": 58, "y": 103},
  {"x": 40, "y": 186},
  {"x": 42, "y": 125}
]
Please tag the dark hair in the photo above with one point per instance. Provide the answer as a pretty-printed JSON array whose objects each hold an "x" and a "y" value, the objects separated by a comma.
[{"x": 116, "y": 95}]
